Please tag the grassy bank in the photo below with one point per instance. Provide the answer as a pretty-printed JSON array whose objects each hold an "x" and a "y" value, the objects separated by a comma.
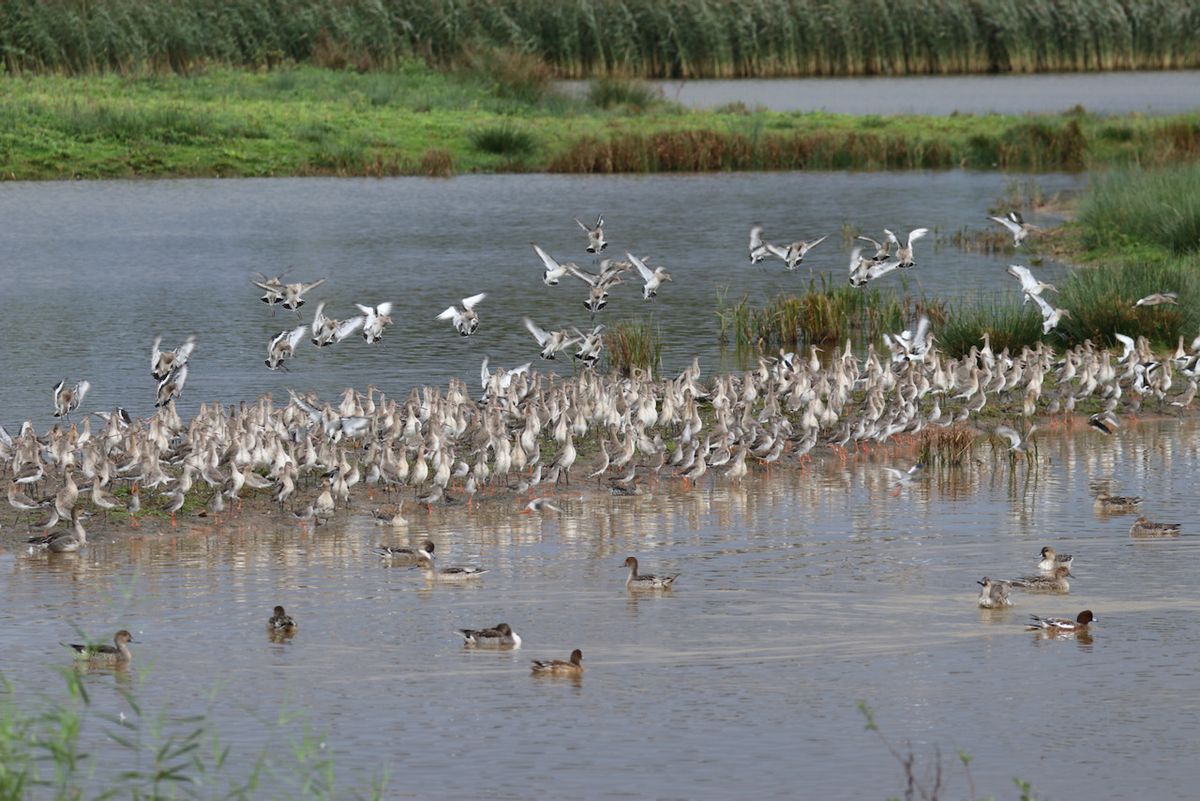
[
  {"x": 706, "y": 38},
  {"x": 1138, "y": 233},
  {"x": 504, "y": 117}
]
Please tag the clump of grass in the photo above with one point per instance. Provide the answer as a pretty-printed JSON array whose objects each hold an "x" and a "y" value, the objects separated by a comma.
[
  {"x": 503, "y": 139},
  {"x": 513, "y": 74},
  {"x": 1149, "y": 207},
  {"x": 1101, "y": 300},
  {"x": 1008, "y": 325},
  {"x": 437, "y": 162},
  {"x": 820, "y": 316},
  {"x": 633, "y": 344},
  {"x": 611, "y": 92}
]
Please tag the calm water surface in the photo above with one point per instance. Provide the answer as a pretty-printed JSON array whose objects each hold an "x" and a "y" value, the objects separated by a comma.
[
  {"x": 93, "y": 271},
  {"x": 800, "y": 596},
  {"x": 1098, "y": 92}
]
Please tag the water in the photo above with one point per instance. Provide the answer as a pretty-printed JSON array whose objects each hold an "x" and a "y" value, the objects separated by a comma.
[
  {"x": 94, "y": 271},
  {"x": 800, "y": 595},
  {"x": 1098, "y": 92}
]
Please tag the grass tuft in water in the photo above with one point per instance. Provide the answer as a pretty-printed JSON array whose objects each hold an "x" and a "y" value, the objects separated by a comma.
[{"x": 633, "y": 344}]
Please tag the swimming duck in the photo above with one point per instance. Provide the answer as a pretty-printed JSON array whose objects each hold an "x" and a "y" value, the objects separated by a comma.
[
  {"x": 465, "y": 322},
  {"x": 1116, "y": 503},
  {"x": 557, "y": 667},
  {"x": 1062, "y": 625},
  {"x": 425, "y": 560},
  {"x": 1051, "y": 559},
  {"x": 502, "y": 636},
  {"x": 648, "y": 581},
  {"x": 1145, "y": 528},
  {"x": 281, "y": 622},
  {"x": 1055, "y": 582},
  {"x": 115, "y": 655},
  {"x": 396, "y": 553},
  {"x": 994, "y": 594},
  {"x": 595, "y": 234}
]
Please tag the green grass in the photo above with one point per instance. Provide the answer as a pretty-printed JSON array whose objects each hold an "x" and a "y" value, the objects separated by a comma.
[
  {"x": 414, "y": 120},
  {"x": 633, "y": 344},
  {"x": 612, "y": 92},
  {"x": 1159, "y": 208},
  {"x": 1008, "y": 325},
  {"x": 704, "y": 38}
]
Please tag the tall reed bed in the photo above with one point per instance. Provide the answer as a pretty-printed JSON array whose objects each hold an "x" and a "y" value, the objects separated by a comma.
[{"x": 649, "y": 38}]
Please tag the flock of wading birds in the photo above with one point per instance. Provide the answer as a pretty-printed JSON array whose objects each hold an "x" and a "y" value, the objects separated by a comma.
[{"x": 443, "y": 443}]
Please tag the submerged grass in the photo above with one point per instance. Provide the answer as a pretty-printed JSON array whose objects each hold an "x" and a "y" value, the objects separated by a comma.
[
  {"x": 714, "y": 38},
  {"x": 413, "y": 120}
]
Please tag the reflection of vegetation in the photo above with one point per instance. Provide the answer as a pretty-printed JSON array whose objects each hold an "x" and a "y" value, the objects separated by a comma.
[
  {"x": 413, "y": 120},
  {"x": 594, "y": 37},
  {"x": 157, "y": 756}
]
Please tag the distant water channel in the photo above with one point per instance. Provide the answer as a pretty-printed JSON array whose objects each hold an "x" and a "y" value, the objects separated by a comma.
[
  {"x": 93, "y": 271},
  {"x": 1098, "y": 92},
  {"x": 800, "y": 595}
]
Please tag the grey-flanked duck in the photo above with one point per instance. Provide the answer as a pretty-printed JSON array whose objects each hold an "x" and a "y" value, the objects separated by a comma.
[
  {"x": 501, "y": 636},
  {"x": 1056, "y": 582},
  {"x": 1146, "y": 528},
  {"x": 646, "y": 581},
  {"x": 557, "y": 667},
  {"x": 99, "y": 655}
]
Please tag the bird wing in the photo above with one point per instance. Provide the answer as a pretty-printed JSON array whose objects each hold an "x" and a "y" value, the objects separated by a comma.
[
  {"x": 384, "y": 308},
  {"x": 891, "y": 236},
  {"x": 547, "y": 260},
  {"x": 185, "y": 350},
  {"x": 473, "y": 301},
  {"x": 484, "y": 374},
  {"x": 878, "y": 245},
  {"x": 583, "y": 275},
  {"x": 294, "y": 336},
  {"x": 1013, "y": 436},
  {"x": 1009, "y": 224},
  {"x": 894, "y": 473},
  {"x": 1047, "y": 311},
  {"x": 450, "y": 314},
  {"x": 81, "y": 389},
  {"x": 883, "y": 268},
  {"x": 816, "y": 242},
  {"x": 318, "y": 319},
  {"x": 1029, "y": 284},
  {"x": 539, "y": 334},
  {"x": 916, "y": 234},
  {"x": 306, "y": 287},
  {"x": 919, "y": 340},
  {"x": 347, "y": 327},
  {"x": 756, "y": 237},
  {"x": 855, "y": 259},
  {"x": 778, "y": 251},
  {"x": 646, "y": 273}
]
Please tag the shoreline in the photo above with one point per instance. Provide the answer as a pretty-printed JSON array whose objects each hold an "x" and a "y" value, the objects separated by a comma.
[{"x": 415, "y": 121}]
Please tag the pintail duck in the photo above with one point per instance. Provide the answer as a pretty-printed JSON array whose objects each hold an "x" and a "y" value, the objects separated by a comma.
[
  {"x": 1051, "y": 559},
  {"x": 1055, "y": 582},
  {"x": 1116, "y": 503},
  {"x": 397, "y": 553},
  {"x": 465, "y": 322},
  {"x": 502, "y": 636},
  {"x": 557, "y": 667},
  {"x": 67, "y": 399},
  {"x": 281, "y": 622},
  {"x": 648, "y": 581},
  {"x": 1016, "y": 226},
  {"x": 1060, "y": 625},
  {"x": 994, "y": 594},
  {"x": 1145, "y": 528},
  {"x": 390, "y": 515},
  {"x": 64, "y": 541},
  {"x": 115, "y": 655},
  {"x": 595, "y": 234},
  {"x": 425, "y": 560}
]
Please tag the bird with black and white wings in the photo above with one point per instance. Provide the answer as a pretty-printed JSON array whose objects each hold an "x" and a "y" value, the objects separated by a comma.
[
  {"x": 375, "y": 319},
  {"x": 905, "y": 253},
  {"x": 554, "y": 271},
  {"x": 293, "y": 294},
  {"x": 653, "y": 278},
  {"x": 466, "y": 321},
  {"x": 551, "y": 342},
  {"x": 1016, "y": 442},
  {"x": 1051, "y": 316},
  {"x": 327, "y": 331},
  {"x": 1016, "y": 226},
  {"x": 595, "y": 234},
  {"x": 758, "y": 248},
  {"x": 882, "y": 249},
  {"x": 795, "y": 252},
  {"x": 283, "y": 346},
  {"x": 1029, "y": 285}
]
